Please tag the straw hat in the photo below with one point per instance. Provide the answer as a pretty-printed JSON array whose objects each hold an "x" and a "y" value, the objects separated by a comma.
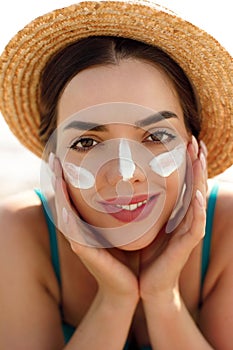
[{"x": 203, "y": 59}]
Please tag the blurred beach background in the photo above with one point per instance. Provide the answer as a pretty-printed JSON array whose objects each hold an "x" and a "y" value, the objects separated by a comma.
[{"x": 19, "y": 168}]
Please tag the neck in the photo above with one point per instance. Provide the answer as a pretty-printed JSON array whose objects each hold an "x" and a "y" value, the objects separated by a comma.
[{"x": 138, "y": 259}]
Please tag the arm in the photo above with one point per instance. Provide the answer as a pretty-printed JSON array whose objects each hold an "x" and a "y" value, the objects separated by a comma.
[
  {"x": 171, "y": 326},
  {"x": 216, "y": 314},
  {"x": 29, "y": 312},
  {"x": 30, "y": 298},
  {"x": 169, "y": 323},
  {"x": 214, "y": 330},
  {"x": 107, "y": 322},
  {"x": 216, "y": 317}
]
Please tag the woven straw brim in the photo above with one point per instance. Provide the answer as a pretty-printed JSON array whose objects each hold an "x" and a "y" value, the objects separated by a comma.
[{"x": 204, "y": 60}]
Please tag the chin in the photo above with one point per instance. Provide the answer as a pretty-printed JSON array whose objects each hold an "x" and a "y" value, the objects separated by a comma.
[{"x": 141, "y": 242}]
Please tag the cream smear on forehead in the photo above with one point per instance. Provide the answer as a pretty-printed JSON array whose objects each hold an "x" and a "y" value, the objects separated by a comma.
[
  {"x": 166, "y": 163},
  {"x": 126, "y": 163},
  {"x": 79, "y": 177}
]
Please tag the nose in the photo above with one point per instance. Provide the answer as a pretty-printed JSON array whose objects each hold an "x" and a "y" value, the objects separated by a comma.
[
  {"x": 126, "y": 168},
  {"x": 114, "y": 176}
]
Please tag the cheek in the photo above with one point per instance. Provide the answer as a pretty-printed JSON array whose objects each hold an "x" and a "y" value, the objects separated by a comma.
[
  {"x": 82, "y": 201},
  {"x": 78, "y": 177},
  {"x": 168, "y": 162},
  {"x": 173, "y": 185},
  {"x": 77, "y": 199},
  {"x": 176, "y": 183}
]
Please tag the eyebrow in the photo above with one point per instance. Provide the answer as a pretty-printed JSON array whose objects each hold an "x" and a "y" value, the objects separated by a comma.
[
  {"x": 154, "y": 118},
  {"x": 78, "y": 124}
]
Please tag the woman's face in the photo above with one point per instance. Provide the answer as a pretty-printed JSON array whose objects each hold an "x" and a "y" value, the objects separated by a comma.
[{"x": 127, "y": 183}]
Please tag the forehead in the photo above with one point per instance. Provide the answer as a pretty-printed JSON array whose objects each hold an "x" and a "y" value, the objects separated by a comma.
[{"x": 130, "y": 81}]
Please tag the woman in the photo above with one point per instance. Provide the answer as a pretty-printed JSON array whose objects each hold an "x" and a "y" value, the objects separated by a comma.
[{"x": 146, "y": 290}]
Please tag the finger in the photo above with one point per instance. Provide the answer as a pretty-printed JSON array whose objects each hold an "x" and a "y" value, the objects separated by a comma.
[
  {"x": 93, "y": 258},
  {"x": 199, "y": 178},
  {"x": 62, "y": 199},
  {"x": 195, "y": 180},
  {"x": 51, "y": 160},
  {"x": 193, "y": 149},
  {"x": 189, "y": 179},
  {"x": 186, "y": 223},
  {"x": 101, "y": 265},
  {"x": 204, "y": 171},
  {"x": 197, "y": 230},
  {"x": 57, "y": 167},
  {"x": 85, "y": 233},
  {"x": 204, "y": 148},
  {"x": 62, "y": 206},
  {"x": 203, "y": 160},
  {"x": 185, "y": 194},
  {"x": 186, "y": 242},
  {"x": 62, "y": 192},
  {"x": 199, "y": 189},
  {"x": 195, "y": 153}
]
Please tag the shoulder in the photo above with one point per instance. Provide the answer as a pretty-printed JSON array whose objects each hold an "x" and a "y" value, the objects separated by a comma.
[
  {"x": 221, "y": 259},
  {"x": 24, "y": 241},
  {"x": 21, "y": 219},
  {"x": 216, "y": 314},
  {"x": 223, "y": 216}
]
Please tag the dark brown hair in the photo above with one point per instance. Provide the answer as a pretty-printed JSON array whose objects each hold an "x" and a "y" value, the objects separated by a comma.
[{"x": 95, "y": 51}]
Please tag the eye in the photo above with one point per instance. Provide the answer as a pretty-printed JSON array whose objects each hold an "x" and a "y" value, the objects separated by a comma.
[
  {"x": 160, "y": 137},
  {"x": 83, "y": 144}
]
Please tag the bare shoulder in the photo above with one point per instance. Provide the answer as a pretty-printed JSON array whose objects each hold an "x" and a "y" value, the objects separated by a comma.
[
  {"x": 21, "y": 219},
  {"x": 216, "y": 315},
  {"x": 221, "y": 259},
  {"x": 223, "y": 219},
  {"x": 24, "y": 240},
  {"x": 29, "y": 290}
]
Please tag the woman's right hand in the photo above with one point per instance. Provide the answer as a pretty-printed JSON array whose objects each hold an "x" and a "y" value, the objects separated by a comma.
[
  {"x": 109, "y": 317},
  {"x": 116, "y": 281}
]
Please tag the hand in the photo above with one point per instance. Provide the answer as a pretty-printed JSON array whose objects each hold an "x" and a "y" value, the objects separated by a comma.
[
  {"x": 115, "y": 280},
  {"x": 161, "y": 275}
]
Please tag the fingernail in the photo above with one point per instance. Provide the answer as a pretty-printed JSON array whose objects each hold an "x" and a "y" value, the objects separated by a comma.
[
  {"x": 204, "y": 148},
  {"x": 195, "y": 144},
  {"x": 65, "y": 215},
  {"x": 202, "y": 160},
  {"x": 200, "y": 198},
  {"x": 51, "y": 160}
]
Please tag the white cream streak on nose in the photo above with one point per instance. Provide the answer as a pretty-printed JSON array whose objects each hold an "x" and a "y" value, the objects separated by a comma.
[
  {"x": 126, "y": 163},
  {"x": 79, "y": 177},
  {"x": 166, "y": 163}
]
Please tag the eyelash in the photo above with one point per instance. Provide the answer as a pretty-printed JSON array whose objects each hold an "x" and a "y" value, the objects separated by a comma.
[
  {"x": 170, "y": 137},
  {"x": 82, "y": 149},
  {"x": 161, "y": 132}
]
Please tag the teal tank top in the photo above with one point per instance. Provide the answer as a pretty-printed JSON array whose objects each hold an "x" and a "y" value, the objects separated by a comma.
[{"x": 68, "y": 330}]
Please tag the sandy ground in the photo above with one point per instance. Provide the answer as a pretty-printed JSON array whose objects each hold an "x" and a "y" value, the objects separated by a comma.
[{"x": 20, "y": 169}]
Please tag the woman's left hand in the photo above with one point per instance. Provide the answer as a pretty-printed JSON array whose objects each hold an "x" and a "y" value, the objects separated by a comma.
[{"x": 159, "y": 275}]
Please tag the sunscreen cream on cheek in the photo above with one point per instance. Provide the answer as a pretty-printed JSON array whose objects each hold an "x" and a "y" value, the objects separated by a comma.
[
  {"x": 79, "y": 177},
  {"x": 166, "y": 163}
]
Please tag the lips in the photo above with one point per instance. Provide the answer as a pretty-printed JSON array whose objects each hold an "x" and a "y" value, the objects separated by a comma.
[{"x": 130, "y": 209}]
